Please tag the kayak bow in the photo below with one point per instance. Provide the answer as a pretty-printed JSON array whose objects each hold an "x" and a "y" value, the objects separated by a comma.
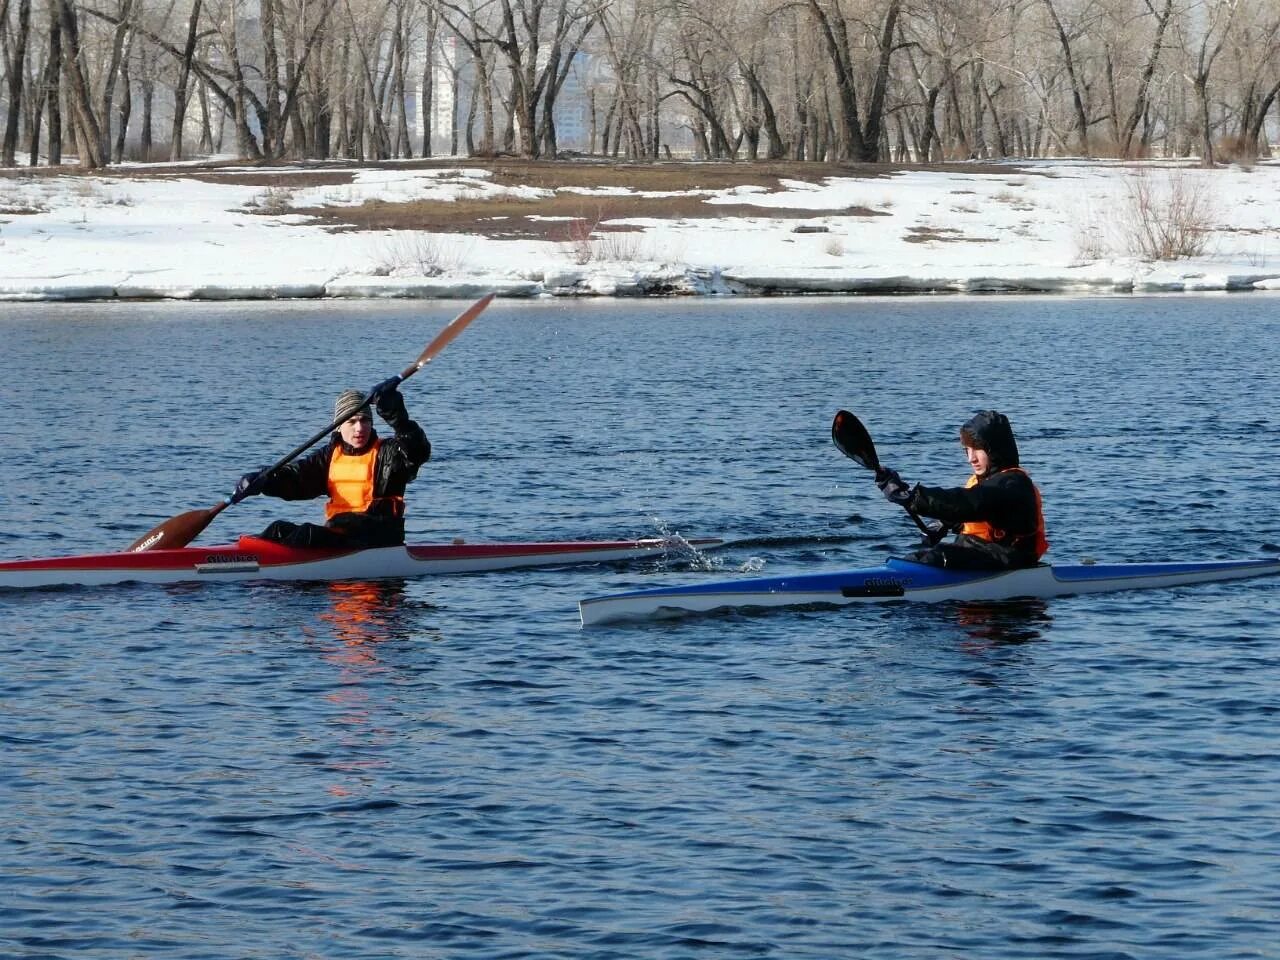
[
  {"x": 252, "y": 558},
  {"x": 902, "y": 580}
]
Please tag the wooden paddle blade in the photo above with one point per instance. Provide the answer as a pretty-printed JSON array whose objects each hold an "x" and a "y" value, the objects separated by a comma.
[
  {"x": 447, "y": 335},
  {"x": 176, "y": 531},
  {"x": 853, "y": 440}
]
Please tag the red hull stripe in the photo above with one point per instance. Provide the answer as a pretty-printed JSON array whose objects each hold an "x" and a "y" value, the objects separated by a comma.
[{"x": 268, "y": 554}]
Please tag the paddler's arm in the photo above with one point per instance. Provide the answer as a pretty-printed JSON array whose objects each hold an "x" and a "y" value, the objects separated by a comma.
[
  {"x": 951, "y": 504},
  {"x": 993, "y": 502},
  {"x": 411, "y": 439},
  {"x": 304, "y": 479}
]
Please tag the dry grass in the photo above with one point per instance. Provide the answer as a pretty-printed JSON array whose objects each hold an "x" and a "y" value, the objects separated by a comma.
[{"x": 421, "y": 255}]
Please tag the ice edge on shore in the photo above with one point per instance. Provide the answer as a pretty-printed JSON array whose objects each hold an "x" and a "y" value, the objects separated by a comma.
[{"x": 623, "y": 282}]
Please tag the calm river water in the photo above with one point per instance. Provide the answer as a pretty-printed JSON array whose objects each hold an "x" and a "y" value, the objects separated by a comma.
[{"x": 451, "y": 768}]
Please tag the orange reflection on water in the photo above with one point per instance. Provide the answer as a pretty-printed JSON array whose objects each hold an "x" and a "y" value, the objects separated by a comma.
[
  {"x": 363, "y": 613},
  {"x": 1003, "y": 622}
]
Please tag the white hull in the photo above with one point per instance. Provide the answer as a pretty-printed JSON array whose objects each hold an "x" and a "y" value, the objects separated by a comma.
[{"x": 901, "y": 581}]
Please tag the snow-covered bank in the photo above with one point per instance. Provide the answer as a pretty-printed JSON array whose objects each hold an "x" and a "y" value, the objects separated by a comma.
[{"x": 1041, "y": 227}]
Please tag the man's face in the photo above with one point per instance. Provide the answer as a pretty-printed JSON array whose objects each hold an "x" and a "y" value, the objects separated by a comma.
[
  {"x": 356, "y": 431},
  {"x": 980, "y": 460}
]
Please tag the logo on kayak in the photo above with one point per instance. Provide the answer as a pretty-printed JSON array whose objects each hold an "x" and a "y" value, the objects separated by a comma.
[
  {"x": 876, "y": 587},
  {"x": 228, "y": 563}
]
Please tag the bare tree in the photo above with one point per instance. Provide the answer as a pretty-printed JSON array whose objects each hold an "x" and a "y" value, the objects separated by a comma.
[
  {"x": 861, "y": 117},
  {"x": 15, "y": 63},
  {"x": 1214, "y": 29},
  {"x": 1078, "y": 96},
  {"x": 84, "y": 120}
]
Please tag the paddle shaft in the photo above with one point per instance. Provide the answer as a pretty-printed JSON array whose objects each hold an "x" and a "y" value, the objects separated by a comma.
[
  {"x": 853, "y": 440},
  {"x": 442, "y": 339},
  {"x": 180, "y": 530}
]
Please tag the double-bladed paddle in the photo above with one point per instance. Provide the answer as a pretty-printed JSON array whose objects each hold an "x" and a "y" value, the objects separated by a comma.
[
  {"x": 855, "y": 443},
  {"x": 180, "y": 530}
]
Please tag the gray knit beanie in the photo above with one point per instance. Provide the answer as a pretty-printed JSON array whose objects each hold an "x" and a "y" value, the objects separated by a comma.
[{"x": 349, "y": 403}]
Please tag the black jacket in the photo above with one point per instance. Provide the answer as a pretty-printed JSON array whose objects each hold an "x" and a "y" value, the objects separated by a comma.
[
  {"x": 1003, "y": 497},
  {"x": 396, "y": 466}
]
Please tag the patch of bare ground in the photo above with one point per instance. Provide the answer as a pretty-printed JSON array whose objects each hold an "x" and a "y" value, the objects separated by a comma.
[
  {"x": 681, "y": 188},
  {"x": 943, "y": 234},
  {"x": 556, "y": 216}
]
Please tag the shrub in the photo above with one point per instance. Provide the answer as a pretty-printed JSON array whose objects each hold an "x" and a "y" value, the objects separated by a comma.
[
  {"x": 624, "y": 246},
  {"x": 579, "y": 231},
  {"x": 273, "y": 201},
  {"x": 1165, "y": 220},
  {"x": 421, "y": 254}
]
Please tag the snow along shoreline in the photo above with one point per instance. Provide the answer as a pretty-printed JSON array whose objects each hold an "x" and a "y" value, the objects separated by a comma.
[
  {"x": 1045, "y": 227},
  {"x": 632, "y": 284}
]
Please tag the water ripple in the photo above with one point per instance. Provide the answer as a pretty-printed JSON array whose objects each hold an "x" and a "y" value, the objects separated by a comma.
[{"x": 450, "y": 768}]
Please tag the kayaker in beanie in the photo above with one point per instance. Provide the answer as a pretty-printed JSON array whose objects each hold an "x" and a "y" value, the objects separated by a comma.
[
  {"x": 997, "y": 515},
  {"x": 363, "y": 475}
]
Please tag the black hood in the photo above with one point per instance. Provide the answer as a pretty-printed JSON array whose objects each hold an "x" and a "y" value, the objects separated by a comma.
[{"x": 990, "y": 431}]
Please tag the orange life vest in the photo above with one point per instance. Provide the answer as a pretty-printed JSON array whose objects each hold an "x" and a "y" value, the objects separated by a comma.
[
  {"x": 985, "y": 531},
  {"x": 351, "y": 483}
]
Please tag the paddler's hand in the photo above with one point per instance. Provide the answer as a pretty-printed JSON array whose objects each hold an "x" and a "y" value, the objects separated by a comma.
[
  {"x": 388, "y": 401},
  {"x": 251, "y": 484},
  {"x": 937, "y": 532},
  {"x": 895, "y": 489},
  {"x": 384, "y": 389}
]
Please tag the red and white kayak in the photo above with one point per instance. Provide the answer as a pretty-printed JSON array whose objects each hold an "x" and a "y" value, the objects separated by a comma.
[{"x": 252, "y": 558}]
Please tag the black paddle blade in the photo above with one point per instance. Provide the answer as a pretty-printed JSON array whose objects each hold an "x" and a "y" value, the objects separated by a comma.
[
  {"x": 176, "y": 531},
  {"x": 854, "y": 442}
]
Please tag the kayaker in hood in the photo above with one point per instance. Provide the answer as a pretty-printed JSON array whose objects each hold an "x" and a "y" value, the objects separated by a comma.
[
  {"x": 997, "y": 515},
  {"x": 363, "y": 475}
]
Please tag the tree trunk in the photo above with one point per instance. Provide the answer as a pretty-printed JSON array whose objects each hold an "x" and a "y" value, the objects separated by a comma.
[
  {"x": 429, "y": 83},
  {"x": 836, "y": 39},
  {"x": 126, "y": 105},
  {"x": 180, "y": 91},
  {"x": 1201, "y": 87},
  {"x": 777, "y": 148},
  {"x": 1139, "y": 110},
  {"x": 400, "y": 59},
  {"x": 246, "y": 142},
  {"x": 1253, "y": 133},
  {"x": 271, "y": 79},
  {"x": 145, "y": 133},
  {"x": 861, "y": 138},
  {"x": 122, "y": 32},
  {"x": 17, "y": 72},
  {"x": 1077, "y": 93},
  {"x": 84, "y": 122}
]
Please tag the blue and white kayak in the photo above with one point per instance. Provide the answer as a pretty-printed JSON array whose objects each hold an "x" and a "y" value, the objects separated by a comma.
[{"x": 904, "y": 580}]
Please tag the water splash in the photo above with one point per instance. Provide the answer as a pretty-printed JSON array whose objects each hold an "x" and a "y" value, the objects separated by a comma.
[{"x": 678, "y": 551}]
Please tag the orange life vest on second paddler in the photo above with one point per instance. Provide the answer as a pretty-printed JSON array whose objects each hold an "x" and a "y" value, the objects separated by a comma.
[
  {"x": 985, "y": 531},
  {"x": 351, "y": 480}
]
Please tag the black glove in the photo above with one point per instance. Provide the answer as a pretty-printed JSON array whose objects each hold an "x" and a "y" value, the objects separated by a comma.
[
  {"x": 895, "y": 489},
  {"x": 389, "y": 403},
  {"x": 251, "y": 484},
  {"x": 385, "y": 388}
]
